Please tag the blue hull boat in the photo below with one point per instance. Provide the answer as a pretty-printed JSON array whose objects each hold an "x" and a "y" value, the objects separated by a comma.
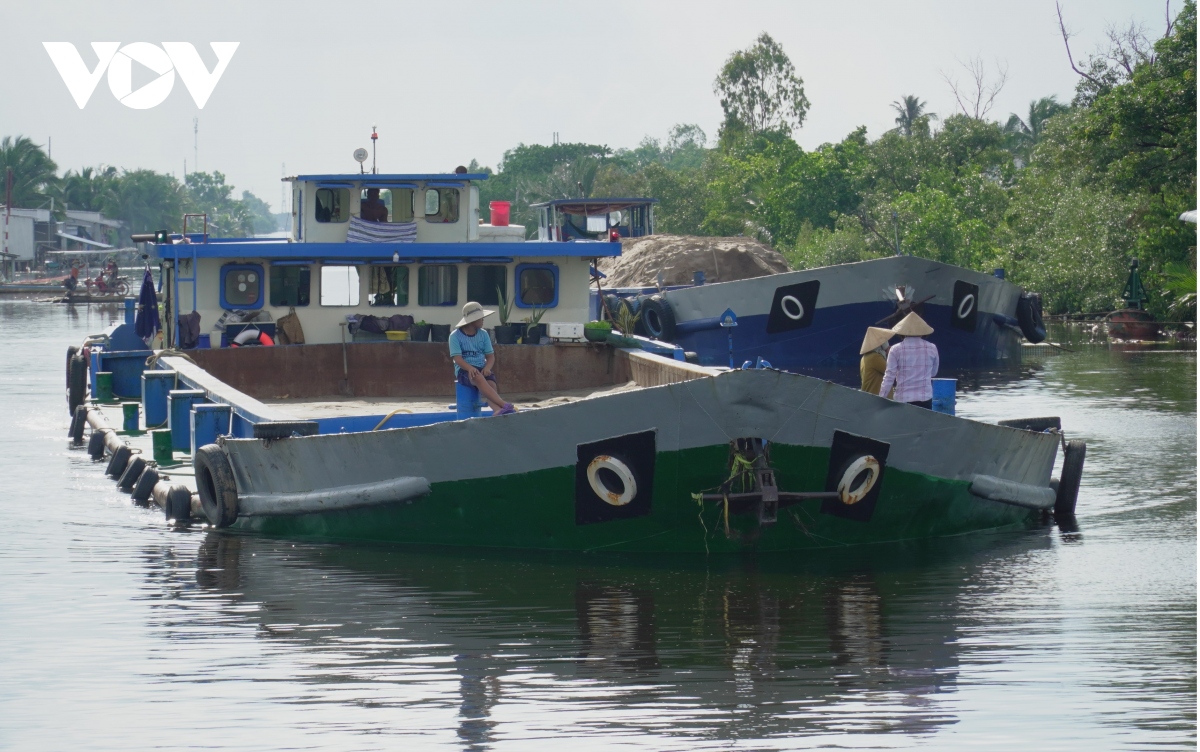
[{"x": 814, "y": 320}]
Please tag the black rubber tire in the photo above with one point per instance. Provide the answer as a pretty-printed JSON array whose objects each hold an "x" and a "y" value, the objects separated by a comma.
[
  {"x": 612, "y": 304},
  {"x": 284, "y": 429},
  {"x": 118, "y": 461},
  {"x": 77, "y": 384},
  {"x": 78, "y": 423},
  {"x": 133, "y": 471},
  {"x": 1029, "y": 316},
  {"x": 658, "y": 318},
  {"x": 179, "y": 504},
  {"x": 96, "y": 446},
  {"x": 218, "y": 490},
  {"x": 72, "y": 351},
  {"x": 144, "y": 488},
  {"x": 1068, "y": 481}
]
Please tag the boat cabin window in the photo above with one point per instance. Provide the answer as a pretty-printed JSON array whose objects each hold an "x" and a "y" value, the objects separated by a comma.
[
  {"x": 333, "y": 205},
  {"x": 485, "y": 283},
  {"x": 388, "y": 286},
  {"x": 441, "y": 205},
  {"x": 339, "y": 285},
  {"x": 537, "y": 285},
  {"x": 290, "y": 285},
  {"x": 241, "y": 286},
  {"x": 437, "y": 285},
  {"x": 399, "y": 203}
]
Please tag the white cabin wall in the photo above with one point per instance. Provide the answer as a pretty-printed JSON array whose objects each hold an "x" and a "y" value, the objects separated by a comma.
[{"x": 321, "y": 323}]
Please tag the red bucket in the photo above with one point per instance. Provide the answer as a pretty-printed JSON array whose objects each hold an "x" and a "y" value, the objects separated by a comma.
[{"x": 500, "y": 213}]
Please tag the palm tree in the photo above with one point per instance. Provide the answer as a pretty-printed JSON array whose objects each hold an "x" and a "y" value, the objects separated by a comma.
[
  {"x": 1023, "y": 135},
  {"x": 909, "y": 110},
  {"x": 90, "y": 189},
  {"x": 33, "y": 172}
]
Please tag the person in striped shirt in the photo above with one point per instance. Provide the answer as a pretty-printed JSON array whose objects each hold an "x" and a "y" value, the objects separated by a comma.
[{"x": 912, "y": 364}]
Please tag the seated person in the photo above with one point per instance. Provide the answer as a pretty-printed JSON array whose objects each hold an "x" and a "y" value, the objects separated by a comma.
[
  {"x": 72, "y": 281},
  {"x": 372, "y": 208},
  {"x": 471, "y": 351}
]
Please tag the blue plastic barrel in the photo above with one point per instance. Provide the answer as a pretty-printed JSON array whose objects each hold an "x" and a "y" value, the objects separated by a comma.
[
  {"x": 129, "y": 312},
  {"x": 179, "y": 416},
  {"x": 944, "y": 395},
  {"x": 467, "y": 402},
  {"x": 208, "y": 422},
  {"x": 155, "y": 385}
]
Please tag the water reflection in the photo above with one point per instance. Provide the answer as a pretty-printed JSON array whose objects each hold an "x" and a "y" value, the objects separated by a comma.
[{"x": 863, "y": 641}]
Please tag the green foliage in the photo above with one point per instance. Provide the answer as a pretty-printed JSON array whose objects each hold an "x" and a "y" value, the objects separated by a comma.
[
  {"x": 504, "y": 310},
  {"x": 909, "y": 109},
  {"x": 759, "y": 88},
  {"x": 626, "y": 319},
  {"x": 34, "y": 174}
]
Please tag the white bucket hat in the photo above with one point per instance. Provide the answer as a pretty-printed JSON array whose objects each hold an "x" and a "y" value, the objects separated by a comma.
[
  {"x": 912, "y": 325},
  {"x": 875, "y": 337},
  {"x": 473, "y": 312}
]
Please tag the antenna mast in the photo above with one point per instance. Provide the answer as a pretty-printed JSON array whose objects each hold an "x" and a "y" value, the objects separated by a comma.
[
  {"x": 374, "y": 138},
  {"x": 195, "y": 144}
]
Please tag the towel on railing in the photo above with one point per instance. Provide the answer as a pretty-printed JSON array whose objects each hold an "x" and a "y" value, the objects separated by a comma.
[{"x": 365, "y": 231}]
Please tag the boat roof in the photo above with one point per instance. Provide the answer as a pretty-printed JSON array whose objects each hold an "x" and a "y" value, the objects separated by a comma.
[
  {"x": 594, "y": 205},
  {"x": 388, "y": 179},
  {"x": 365, "y": 253}
]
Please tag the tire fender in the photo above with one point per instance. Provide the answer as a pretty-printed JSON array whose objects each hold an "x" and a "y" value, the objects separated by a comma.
[
  {"x": 1068, "y": 481},
  {"x": 215, "y": 481},
  {"x": 144, "y": 487},
  {"x": 1029, "y": 316},
  {"x": 659, "y": 318},
  {"x": 77, "y": 384},
  {"x": 133, "y": 471},
  {"x": 118, "y": 461},
  {"x": 96, "y": 446},
  {"x": 78, "y": 423}
]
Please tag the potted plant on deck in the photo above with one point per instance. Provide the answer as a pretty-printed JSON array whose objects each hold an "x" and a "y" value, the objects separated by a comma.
[
  {"x": 419, "y": 332},
  {"x": 534, "y": 331},
  {"x": 505, "y": 333}
]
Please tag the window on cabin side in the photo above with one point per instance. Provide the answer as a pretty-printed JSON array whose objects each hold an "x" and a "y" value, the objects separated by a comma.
[
  {"x": 339, "y": 285},
  {"x": 388, "y": 286},
  {"x": 290, "y": 285},
  {"x": 243, "y": 287},
  {"x": 441, "y": 205},
  {"x": 332, "y": 205},
  {"x": 437, "y": 285},
  {"x": 399, "y": 203},
  {"x": 485, "y": 283},
  {"x": 536, "y": 286}
]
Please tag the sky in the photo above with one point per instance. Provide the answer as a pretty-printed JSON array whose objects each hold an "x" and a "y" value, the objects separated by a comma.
[{"x": 449, "y": 82}]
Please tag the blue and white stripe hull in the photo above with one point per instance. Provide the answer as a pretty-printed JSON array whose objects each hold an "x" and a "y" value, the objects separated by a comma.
[{"x": 850, "y": 298}]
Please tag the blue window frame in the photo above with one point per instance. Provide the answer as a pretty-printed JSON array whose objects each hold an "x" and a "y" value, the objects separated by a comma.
[
  {"x": 242, "y": 286},
  {"x": 536, "y": 285}
]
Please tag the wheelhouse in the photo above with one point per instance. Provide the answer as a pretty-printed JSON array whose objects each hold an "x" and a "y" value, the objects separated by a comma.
[
  {"x": 380, "y": 245},
  {"x": 595, "y": 219}
]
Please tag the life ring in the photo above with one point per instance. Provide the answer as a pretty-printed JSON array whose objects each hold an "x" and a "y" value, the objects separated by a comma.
[
  {"x": 218, "y": 490},
  {"x": 1029, "y": 316},
  {"x": 628, "y": 490},
  {"x": 659, "y": 318},
  {"x": 799, "y": 310},
  {"x": 966, "y": 307},
  {"x": 851, "y": 492},
  {"x": 252, "y": 337}
]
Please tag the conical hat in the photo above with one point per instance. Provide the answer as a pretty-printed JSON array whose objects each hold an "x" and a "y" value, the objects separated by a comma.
[
  {"x": 912, "y": 325},
  {"x": 875, "y": 337}
]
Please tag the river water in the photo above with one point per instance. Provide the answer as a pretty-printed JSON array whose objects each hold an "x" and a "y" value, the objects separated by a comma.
[{"x": 118, "y": 632}]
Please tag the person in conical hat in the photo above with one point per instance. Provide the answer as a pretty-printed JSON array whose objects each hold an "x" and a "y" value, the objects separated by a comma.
[
  {"x": 473, "y": 356},
  {"x": 912, "y": 364},
  {"x": 874, "y": 358}
]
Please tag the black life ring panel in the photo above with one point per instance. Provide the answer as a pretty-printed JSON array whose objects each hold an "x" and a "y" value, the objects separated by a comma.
[
  {"x": 1029, "y": 316},
  {"x": 659, "y": 318}
]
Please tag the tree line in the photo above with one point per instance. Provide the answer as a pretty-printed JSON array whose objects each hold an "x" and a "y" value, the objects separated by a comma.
[
  {"x": 1062, "y": 196},
  {"x": 144, "y": 200}
]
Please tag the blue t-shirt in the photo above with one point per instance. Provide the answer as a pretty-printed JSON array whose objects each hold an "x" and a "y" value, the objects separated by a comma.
[{"x": 473, "y": 348}]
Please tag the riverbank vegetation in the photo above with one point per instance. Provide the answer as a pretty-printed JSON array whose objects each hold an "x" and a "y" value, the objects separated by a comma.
[{"x": 1062, "y": 196}]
